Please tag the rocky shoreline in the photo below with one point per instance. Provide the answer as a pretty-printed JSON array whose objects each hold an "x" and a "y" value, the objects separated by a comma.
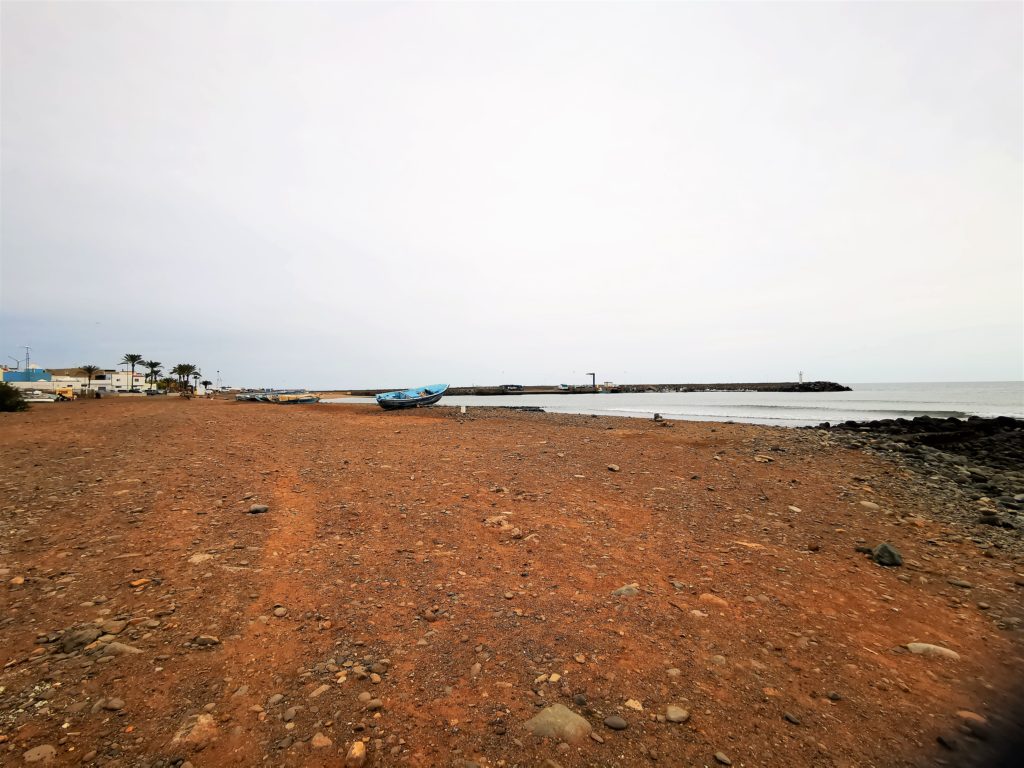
[{"x": 977, "y": 463}]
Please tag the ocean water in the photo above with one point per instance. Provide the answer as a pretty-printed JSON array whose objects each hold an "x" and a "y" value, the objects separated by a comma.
[{"x": 795, "y": 409}]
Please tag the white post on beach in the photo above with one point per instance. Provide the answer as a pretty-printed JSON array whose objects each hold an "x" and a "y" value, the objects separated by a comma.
[{"x": 463, "y": 409}]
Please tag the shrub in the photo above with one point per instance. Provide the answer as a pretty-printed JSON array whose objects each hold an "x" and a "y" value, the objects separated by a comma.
[{"x": 11, "y": 398}]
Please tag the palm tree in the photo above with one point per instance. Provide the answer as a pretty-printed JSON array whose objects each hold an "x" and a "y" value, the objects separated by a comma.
[
  {"x": 167, "y": 382},
  {"x": 183, "y": 371},
  {"x": 132, "y": 360},
  {"x": 89, "y": 371},
  {"x": 206, "y": 383},
  {"x": 154, "y": 370}
]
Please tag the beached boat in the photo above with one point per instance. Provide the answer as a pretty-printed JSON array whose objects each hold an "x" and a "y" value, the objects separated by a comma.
[
  {"x": 39, "y": 397},
  {"x": 277, "y": 396},
  {"x": 296, "y": 398},
  {"x": 411, "y": 398}
]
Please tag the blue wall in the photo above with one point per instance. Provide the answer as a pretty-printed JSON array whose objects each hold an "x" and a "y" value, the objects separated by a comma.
[{"x": 36, "y": 374}]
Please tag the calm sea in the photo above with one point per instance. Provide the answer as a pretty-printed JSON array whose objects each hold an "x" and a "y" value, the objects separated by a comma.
[{"x": 866, "y": 401}]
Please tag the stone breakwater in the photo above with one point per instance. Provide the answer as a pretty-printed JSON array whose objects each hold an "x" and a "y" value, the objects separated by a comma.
[
  {"x": 550, "y": 389},
  {"x": 977, "y": 463}
]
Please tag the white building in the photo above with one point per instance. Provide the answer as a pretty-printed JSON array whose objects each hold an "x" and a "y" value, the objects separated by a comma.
[{"x": 52, "y": 379}]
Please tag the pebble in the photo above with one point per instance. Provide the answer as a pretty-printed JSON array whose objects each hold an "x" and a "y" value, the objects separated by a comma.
[
  {"x": 258, "y": 509},
  {"x": 935, "y": 651},
  {"x": 613, "y": 467},
  {"x": 961, "y": 583},
  {"x": 974, "y": 724},
  {"x": 374, "y": 704},
  {"x": 711, "y": 599},
  {"x": 675, "y": 714},
  {"x": 616, "y": 723},
  {"x": 628, "y": 590},
  {"x": 113, "y": 705},
  {"x": 41, "y": 754},
  {"x": 475, "y": 669},
  {"x": 119, "y": 649},
  {"x": 320, "y": 690},
  {"x": 319, "y": 741},
  {"x": 277, "y": 698},
  {"x": 559, "y": 722},
  {"x": 791, "y": 718},
  {"x": 280, "y": 611},
  {"x": 948, "y": 742},
  {"x": 289, "y": 714},
  {"x": 356, "y": 756},
  {"x": 364, "y": 697},
  {"x": 887, "y": 555},
  {"x": 634, "y": 705},
  {"x": 722, "y": 758}
]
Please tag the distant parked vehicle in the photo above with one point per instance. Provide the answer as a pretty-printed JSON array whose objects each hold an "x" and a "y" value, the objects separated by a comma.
[{"x": 512, "y": 387}]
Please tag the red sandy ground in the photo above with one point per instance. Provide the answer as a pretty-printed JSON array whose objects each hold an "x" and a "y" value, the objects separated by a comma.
[{"x": 426, "y": 542}]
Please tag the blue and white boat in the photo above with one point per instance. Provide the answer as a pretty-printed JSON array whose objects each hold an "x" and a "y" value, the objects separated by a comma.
[{"x": 411, "y": 398}]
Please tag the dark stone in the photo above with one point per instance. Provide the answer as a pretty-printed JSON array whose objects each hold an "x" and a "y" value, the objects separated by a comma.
[
  {"x": 257, "y": 509},
  {"x": 887, "y": 555},
  {"x": 75, "y": 640},
  {"x": 616, "y": 723},
  {"x": 947, "y": 741}
]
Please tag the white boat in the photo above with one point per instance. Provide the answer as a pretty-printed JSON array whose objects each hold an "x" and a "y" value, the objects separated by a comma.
[{"x": 37, "y": 396}]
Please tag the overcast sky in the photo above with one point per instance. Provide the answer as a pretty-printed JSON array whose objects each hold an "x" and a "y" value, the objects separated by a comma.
[{"x": 357, "y": 194}]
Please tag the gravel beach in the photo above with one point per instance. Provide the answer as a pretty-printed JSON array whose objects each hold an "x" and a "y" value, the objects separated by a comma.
[{"x": 212, "y": 583}]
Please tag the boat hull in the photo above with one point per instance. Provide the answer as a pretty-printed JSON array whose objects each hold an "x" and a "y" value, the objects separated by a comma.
[
  {"x": 297, "y": 399},
  {"x": 394, "y": 405},
  {"x": 411, "y": 398}
]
